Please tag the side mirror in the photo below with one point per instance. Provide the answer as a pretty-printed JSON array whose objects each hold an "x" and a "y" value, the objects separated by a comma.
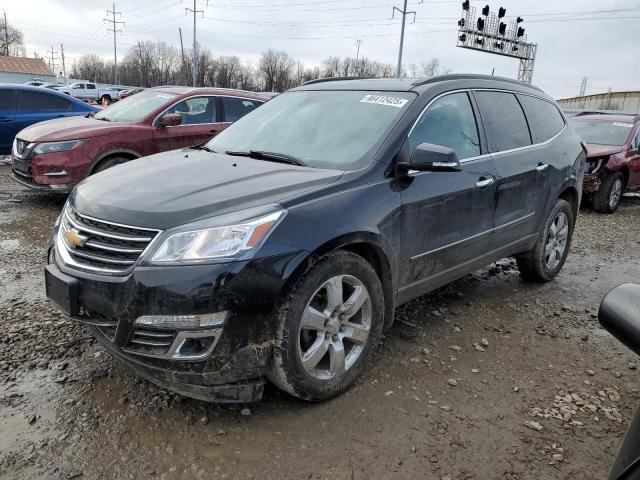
[
  {"x": 619, "y": 314},
  {"x": 169, "y": 120},
  {"x": 434, "y": 158}
]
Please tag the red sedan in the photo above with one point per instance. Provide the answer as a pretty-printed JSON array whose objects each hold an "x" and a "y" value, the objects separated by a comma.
[{"x": 57, "y": 154}]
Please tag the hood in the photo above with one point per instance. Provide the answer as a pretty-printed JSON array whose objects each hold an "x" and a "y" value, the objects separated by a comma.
[
  {"x": 68, "y": 128},
  {"x": 595, "y": 150},
  {"x": 181, "y": 186}
]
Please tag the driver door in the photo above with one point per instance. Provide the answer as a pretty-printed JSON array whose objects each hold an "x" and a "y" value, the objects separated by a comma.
[
  {"x": 447, "y": 216},
  {"x": 200, "y": 122}
]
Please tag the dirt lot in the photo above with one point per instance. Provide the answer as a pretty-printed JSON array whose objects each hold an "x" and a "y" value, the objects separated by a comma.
[{"x": 486, "y": 378}]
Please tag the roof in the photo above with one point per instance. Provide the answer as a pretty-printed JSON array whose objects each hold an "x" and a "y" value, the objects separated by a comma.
[
  {"x": 205, "y": 90},
  {"x": 414, "y": 84},
  {"x": 607, "y": 118},
  {"x": 31, "y": 66}
]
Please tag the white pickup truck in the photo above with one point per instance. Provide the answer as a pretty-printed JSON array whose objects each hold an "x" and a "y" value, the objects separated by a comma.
[{"x": 90, "y": 91}]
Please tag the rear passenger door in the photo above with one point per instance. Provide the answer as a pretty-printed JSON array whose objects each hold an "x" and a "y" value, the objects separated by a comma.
[
  {"x": 447, "y": 216},
  {"x": 522, "y": 191},
  {"x": 8, "y": 128},
  {"x": 633, "y": 156}
]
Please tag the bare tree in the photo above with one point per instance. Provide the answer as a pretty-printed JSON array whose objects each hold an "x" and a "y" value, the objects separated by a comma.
[
  {"x": 432, "y": 68},
  {"x": 11, "y": 40},
  {"x": 276, "y": 70},
  {"x": 91, "y": 67}
]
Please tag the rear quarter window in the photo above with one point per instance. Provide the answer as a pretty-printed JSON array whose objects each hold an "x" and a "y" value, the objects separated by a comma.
[
  {"x": 544, "y": 117},
  {"x": 504, "y": 120}
]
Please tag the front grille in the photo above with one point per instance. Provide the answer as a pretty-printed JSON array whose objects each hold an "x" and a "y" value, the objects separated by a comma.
[
  {"x": 154, "y": 342},
  {"x": 102, "y": 246}
]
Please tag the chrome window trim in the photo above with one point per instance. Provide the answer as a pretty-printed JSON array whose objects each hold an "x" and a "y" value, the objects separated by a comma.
[
  {"x": 477, "y": 235},
  {"x": 486, "y": 155},
  {"x": 153, "y": 124}
]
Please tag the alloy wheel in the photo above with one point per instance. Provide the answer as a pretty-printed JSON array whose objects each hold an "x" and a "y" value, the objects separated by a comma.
[
  {"x": 556, "y": 240},
  {"x": 335, "y": 327},
  {"x": 616, "y": 194}
]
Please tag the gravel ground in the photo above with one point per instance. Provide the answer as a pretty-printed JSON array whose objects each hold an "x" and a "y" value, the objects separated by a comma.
[{"x": 486, "y": 378}]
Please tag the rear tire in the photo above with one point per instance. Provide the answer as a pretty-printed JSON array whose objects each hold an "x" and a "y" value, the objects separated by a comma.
[
  {"x": 545, "y": 260},
  {"x": 108, "y": 163},
  {"x": 340, "y": 302},
  {"x": 607, "y": 198}
]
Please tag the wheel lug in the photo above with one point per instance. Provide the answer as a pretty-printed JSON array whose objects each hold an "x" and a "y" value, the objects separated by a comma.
[
  {"x": 327, "y": 334},
  {"x": 335, "y": 338},
  {"x": 342, "y": 329}
]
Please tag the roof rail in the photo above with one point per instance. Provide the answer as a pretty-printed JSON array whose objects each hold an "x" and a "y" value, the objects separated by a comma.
[
  {"x": 468, "y": 76},
  {"x": 334, "y": 79}
]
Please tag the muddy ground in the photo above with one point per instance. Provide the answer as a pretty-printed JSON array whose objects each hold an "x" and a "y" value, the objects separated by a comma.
[{"x": 486, "y": 378}]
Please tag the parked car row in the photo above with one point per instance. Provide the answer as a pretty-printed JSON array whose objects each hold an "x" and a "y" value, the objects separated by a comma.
[{"x": 279, "y": 249}]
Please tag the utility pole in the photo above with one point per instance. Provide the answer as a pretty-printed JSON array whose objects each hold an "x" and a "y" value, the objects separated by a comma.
[
  {"x": 404, "y": 14},
  {"x": 358, "y": 43},
  {"x": 114, "y": 28},
  {"x": 6, "y": 34},
  {"x": 183, "y": 63},
  {"x": 194, "y": 54},
  {"x": 52, "y": 61},
  {"x": 64, "y": 70}
]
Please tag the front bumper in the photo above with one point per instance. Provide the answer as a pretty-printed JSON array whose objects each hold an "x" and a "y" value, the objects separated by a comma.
[
  {"x": 591, "y": 182},
  {"x": 248, "y": 291},
  {"x": 52, "y": 172}
]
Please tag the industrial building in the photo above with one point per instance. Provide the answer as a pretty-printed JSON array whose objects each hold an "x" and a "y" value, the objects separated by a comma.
[
  {"x": 21, "y": 70},
  {"x": 609, "y": 101}
]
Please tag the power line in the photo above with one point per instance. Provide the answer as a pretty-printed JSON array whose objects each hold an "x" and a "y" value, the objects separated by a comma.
[{"x": 114, "y": 29}]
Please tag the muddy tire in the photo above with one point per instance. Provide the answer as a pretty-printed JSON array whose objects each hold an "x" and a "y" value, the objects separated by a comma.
[
  {"x": 607, "y": 198},
  {"x": 328, "y": 327},
  {"x": 545, "y": 260},
  {"x": 108, "y": 163}
]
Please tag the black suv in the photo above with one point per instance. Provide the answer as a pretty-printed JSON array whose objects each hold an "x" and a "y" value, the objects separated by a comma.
[{"x": 279, "y": 249}]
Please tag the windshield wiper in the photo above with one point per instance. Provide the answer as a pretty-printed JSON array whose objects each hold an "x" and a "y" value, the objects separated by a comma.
[
  {"x": 90, "y": 115},
  {"x": 270, "y": 156},
  {"x": 102, "y": 118},
  {"x": 205, "y": 148}
]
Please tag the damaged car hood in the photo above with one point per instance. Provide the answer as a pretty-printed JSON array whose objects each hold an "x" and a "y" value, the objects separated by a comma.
[
  {"x": 69, "y": 128},
  {"x": 595, "y": 150},
  {"x": 180, "y": 186}
]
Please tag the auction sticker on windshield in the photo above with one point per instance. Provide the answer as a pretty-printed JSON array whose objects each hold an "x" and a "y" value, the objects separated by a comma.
[
  {"x": 618, "y": 124},
  {"x": 385, "y": 100}
]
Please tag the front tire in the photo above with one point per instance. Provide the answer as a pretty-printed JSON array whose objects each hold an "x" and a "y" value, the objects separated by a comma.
[
  {"x": 545, "y": 260},
  {"x": 607, "y": 198},
  {"x": 108, "y": 163},
  {"x": 328, "y": 327}
]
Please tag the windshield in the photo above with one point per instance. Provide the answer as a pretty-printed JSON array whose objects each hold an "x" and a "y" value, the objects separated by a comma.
[
  {"x": 135, "y": 107},
  {"x": 322, "y": 129},
  {"x": 602, "y": 132}
]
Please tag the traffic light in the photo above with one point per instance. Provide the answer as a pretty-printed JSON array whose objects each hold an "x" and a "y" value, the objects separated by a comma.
[
  {"x": 463, "y": 37},
  {"x": 519, "y": 20},
  {"x": 481, "y": 24},
  {"x": 485, "y": 10},
  {"x": 461, "y": 23},
  {"x": 480, "y": 41},
  {"x": 520, "y": 32},
  {"x": 498, "y": 45},
  {"x": 502, "y": 12},
  {"x": 502, "y": 29},
  {"x": 465, "y": 5}
]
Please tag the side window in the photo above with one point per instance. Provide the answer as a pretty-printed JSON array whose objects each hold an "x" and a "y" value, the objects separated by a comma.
[
  {"x": 79, "y": 86},
  {"x": 448, "y": 122},
  {"x": 91, "y": 86},
  {"x": 196, "y": 110},
  {"x": 6, "y": 99},
  {"x": 42, "y": 101},
  {"x": 504, "y": 120},
  {"x": 636, "y": 141},
  {"x": 544, "y": 117},
  {"x": 235, "y": 108}
]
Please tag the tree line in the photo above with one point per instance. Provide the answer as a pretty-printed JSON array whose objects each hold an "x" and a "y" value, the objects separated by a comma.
[{"x": 149, "y": 64}]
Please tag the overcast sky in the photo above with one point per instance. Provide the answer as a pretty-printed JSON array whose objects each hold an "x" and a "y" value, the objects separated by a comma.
[{"x": 572, "y": 44}]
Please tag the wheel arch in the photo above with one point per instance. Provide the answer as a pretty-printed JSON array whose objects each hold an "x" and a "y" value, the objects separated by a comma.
[
  {"x": 571, "y": 195},
  {"x": 368, "y": 246},
  {"x": 126, "y": 153}
]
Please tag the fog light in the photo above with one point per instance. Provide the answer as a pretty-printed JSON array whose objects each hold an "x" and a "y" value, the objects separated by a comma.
[{"x": 181, "y": 322}]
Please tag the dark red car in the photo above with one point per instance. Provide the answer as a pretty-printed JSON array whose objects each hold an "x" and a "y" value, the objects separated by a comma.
[
  {"x": 613, "y": 157},
  {"x": 57, "y": 154},
  {"x": 129, "y": 92}
]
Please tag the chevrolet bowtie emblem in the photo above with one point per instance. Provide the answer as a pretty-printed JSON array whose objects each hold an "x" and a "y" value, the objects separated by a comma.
[{"x": 75, "y": 239}]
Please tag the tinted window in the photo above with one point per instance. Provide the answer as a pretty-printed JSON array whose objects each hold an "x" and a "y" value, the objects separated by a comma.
[
  {"x": 236, "y": 108},
  {"x": 544, "y": 117},
  {"x": 504, "y": 120},
  {"x": 91, "y": 86},
  {"x": 42, "y": 101},
  {"x": 79, "y": 86},
  {"x": 449, "y": 122},
  {"x": 196, "y": 110},
  {"x": 6, "y": 99}
]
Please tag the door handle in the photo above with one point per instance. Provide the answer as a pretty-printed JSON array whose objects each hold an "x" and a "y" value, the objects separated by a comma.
[
  {"x": 542, "y": 167},
  {"x": 4, "y": 119},
  {"x": 484, "y": 182}
]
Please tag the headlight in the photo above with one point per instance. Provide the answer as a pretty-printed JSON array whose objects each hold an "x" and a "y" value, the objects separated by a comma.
[
  {"x": 219, "y": 242},
  {"x": 54, "y": 147}
]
